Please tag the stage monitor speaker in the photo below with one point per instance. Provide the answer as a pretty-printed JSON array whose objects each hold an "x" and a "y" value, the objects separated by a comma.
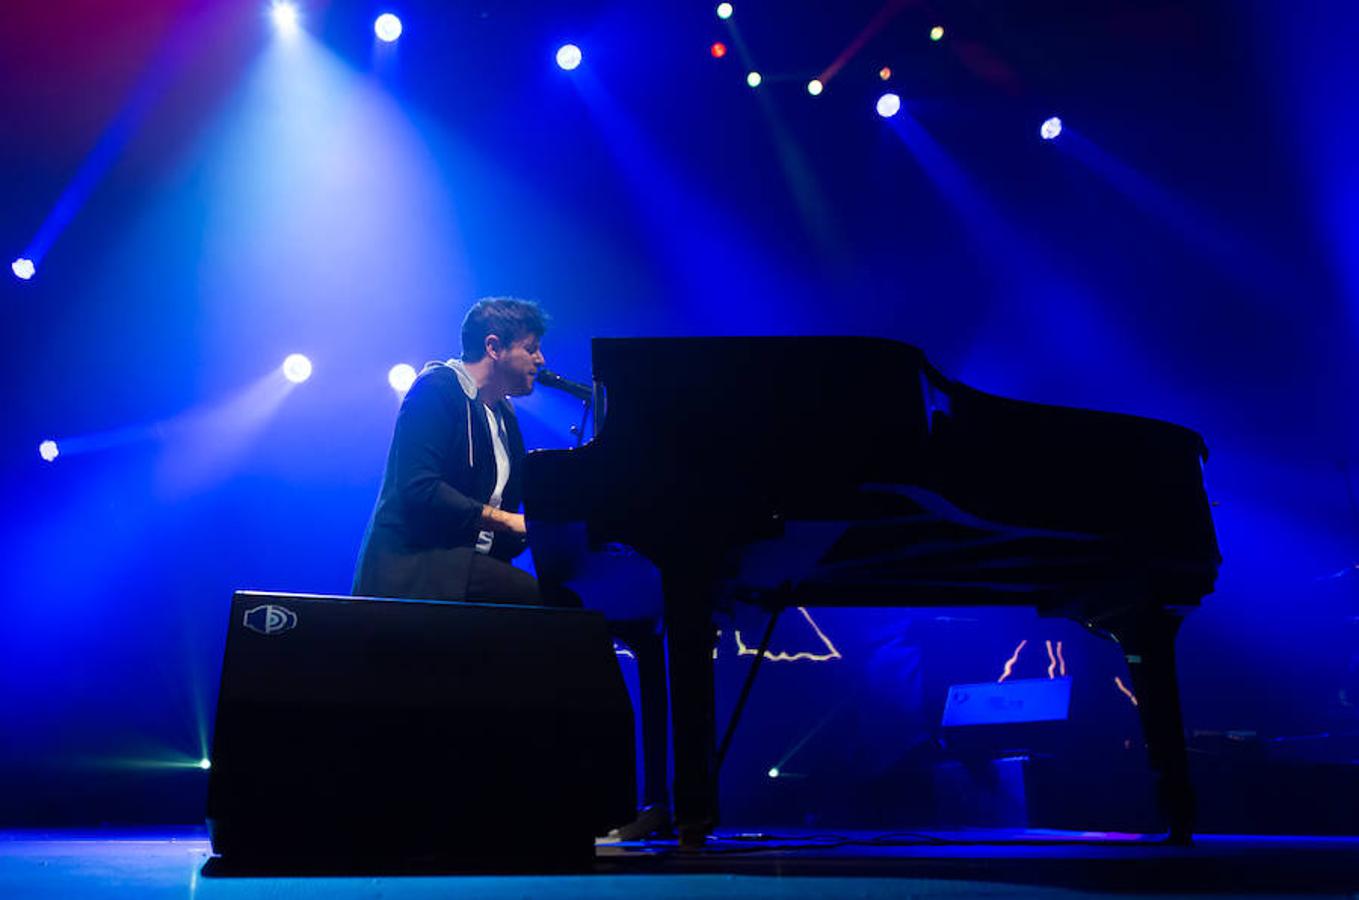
[
  {"x": 359, "y": 729},
  {"x": 1001, "y": 719}
]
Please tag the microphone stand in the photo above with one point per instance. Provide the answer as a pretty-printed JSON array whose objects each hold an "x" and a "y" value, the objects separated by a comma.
[
  {"x": 587, "y": 407},
  {"x": 584, "y": 393}
]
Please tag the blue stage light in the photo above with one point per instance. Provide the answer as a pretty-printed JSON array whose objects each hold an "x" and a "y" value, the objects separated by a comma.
[
  {"x": 568, "y": 57},
  {"x": 1050, "y": 129},
  {"x": 285, "y": 17},
  {"x": 401, "y": 376},
  {"x": 774, "y": 772},
  {"x": 297, "y": 368},
  {"x": 205, "y": 764},
  {"x": 48, "y": 450},
  {"x": 889, "y": 105},
  {"x": 387, "y": 27},
  {"x": 23, "y": 268}
]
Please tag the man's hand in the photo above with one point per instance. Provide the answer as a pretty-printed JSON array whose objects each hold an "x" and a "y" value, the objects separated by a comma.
[{"x": 493, "y": 519}]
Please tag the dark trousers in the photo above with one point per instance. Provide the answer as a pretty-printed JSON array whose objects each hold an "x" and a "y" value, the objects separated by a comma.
[
  {"x": 490, "y": 580},
  {"x": 648, "y": 646}
]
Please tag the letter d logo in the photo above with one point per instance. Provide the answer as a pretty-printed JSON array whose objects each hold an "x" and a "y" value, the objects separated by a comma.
[{"x": 270, "y": 619}]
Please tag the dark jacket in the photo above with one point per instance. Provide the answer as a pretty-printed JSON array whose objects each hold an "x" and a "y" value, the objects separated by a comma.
[{"x": 440, "y": 471}]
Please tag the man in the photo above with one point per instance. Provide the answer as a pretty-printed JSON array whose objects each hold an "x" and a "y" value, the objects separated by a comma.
[{"x": 446, "y": 525}]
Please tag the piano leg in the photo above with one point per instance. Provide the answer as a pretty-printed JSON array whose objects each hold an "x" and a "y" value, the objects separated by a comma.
[
  {"x": 689, "y": 639},
  {"x": 1147, "y": 638}
]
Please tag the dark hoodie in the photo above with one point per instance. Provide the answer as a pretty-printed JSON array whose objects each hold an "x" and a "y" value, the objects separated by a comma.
[{"x": 440, "y": 472}]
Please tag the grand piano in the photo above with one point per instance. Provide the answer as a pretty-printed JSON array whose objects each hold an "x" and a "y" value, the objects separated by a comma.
[{"x": 848, "y": 471}]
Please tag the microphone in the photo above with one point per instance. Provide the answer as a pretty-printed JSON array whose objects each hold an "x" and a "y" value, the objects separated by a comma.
[{"x": 548, "y": 378}]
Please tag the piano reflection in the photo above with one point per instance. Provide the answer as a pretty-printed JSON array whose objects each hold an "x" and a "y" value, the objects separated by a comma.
[{"x": 759, "y": 469}]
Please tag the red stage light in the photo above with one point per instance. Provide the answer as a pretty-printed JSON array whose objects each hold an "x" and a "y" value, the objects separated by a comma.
[{"x": 718, "y": 50}]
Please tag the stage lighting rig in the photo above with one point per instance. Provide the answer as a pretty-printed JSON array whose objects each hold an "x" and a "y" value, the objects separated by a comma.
[
  {"x": 297, "y": 368},
  {"x": 285, "y": 16},
  {"x": 568, "y": 57},
  {"x": 387, "y": 27},
  {"x": 401, "y": 376}
]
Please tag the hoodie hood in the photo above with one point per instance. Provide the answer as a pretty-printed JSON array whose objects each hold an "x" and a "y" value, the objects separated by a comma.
[{"x": 469, "y": 385}]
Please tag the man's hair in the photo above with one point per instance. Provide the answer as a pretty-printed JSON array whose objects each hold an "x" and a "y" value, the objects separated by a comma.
[{"x": 506, "y": 317}]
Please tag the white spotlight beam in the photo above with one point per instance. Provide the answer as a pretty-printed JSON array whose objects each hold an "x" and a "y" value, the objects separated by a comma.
[{"x": 285, "y": 16}]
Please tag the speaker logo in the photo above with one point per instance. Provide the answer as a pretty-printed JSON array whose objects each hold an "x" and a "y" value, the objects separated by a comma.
[{"x": 270, "y": 619}]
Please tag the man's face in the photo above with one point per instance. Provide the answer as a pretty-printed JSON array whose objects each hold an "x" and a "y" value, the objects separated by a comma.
[{"x": 518, "y": 364}]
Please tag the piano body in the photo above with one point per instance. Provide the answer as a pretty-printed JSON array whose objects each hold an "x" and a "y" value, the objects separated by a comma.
[{"x": 844, "y": 471}]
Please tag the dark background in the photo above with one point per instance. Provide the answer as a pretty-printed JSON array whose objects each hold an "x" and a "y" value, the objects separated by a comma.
[{"x": 203, "y": 198}]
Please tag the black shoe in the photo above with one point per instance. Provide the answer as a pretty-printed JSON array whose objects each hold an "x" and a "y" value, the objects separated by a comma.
[{"x": 651, "y": 822}]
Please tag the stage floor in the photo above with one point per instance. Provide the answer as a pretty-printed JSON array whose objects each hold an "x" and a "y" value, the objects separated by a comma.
[{"x": 90, "y": 865}]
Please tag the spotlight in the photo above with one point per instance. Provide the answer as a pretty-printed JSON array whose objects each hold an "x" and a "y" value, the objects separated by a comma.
[
  {"x": 401, "y": 376},
  {"x": 387, "y": 27},
  {"x": 48, "y": 450},
  {"x": 937, "y": 33},
  {"x": 754, "y": 79},
  {"x": 889, "y": 105},
  {"x": 23, "y": 268},
  {"x": 284, "y": 16},
  {"x": 718, "y": 50},
  {"x": 1051, "y": 128},
  {"x": 885, "y": 73},
  {"x": 724, "y": 10},
  {"x": 774, "y": 772},
  {"x": 205, "y": 764},
  {"x": 297, "y": 368},
  {"x": 568, "y": 57},
  {"x": 815, "y": 87}
]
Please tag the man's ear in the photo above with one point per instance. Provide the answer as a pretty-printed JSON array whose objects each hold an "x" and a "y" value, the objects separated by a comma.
[{"x": 493, "y": 346}]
